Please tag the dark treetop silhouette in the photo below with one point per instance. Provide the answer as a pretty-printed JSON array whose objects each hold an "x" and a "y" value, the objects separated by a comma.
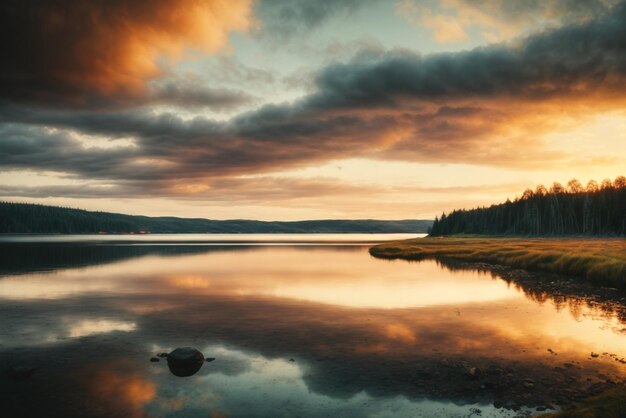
[{"x": 572, "y": 210}]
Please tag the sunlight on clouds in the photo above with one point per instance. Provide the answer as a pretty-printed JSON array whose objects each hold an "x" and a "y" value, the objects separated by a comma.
[
  {"x": 159, "y": 162},
  {"x": 190, "y": 282},
  {"x": 101, "y": 141},
  {"x": 493, "y": 21},
  {"x": 446, "y": 29},
  {"x": 136, "y": 45},
  {"x": 602, "y": 134},
  {"x": 38, "y": 178},
  {"x": 189, "y": 188},
  {"x": 353, "y": 121},
  {"x": 406, "y": 174}
]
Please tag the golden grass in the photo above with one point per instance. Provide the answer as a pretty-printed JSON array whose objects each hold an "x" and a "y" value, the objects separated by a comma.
[
  {"x": 610, "y": 404},
  {"x": 600, "y": 260}
]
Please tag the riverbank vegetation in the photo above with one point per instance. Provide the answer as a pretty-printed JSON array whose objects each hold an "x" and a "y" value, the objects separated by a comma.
[
  {"x": 610, "y": 404},
  {"x": 571, "y": 210},
  {"x": 600, "y": 260}
]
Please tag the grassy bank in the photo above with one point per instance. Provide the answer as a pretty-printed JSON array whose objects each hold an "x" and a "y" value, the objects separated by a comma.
[
  {"x": 600, "y": 260},
  {"x": 610, "y": 404}
]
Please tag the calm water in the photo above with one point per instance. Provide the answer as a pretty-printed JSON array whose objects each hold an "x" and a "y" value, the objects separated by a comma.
[{"x": 296, "y": 330}]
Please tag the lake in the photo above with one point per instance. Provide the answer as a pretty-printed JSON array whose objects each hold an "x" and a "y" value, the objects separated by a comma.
[{"x": 298, "y": 325}]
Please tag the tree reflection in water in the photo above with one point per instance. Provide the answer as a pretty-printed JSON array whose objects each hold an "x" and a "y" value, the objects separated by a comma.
[{"x": 530, "y": 347}]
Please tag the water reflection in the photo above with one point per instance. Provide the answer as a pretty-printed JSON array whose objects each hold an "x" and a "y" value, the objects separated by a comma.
[
  {"x": 345, "y": 277},
  {"x": 579, "y": 298},
  {"x": 286, "y": 344},
  {"x": 85, "y": 327}
]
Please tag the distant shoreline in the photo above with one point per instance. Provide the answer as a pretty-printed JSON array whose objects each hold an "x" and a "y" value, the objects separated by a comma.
[
  {"x": 23, "y": 218},
  {"x": 59, "y": 240},
  {"x": 124, "y": 234}
]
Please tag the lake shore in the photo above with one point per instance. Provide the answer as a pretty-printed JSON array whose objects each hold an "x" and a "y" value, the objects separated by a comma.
[{"x": 602, "y": 261}]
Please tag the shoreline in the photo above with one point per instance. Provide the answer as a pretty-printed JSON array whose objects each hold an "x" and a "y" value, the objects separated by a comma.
[
  {"x": 541, "y": 276},
  {"x": 601, "y": 261}
]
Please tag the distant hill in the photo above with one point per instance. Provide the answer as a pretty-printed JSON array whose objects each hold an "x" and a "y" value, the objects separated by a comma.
[{"x": 31, "y": 218}]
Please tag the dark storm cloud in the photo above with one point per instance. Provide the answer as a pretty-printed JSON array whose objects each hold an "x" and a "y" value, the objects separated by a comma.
[
  {"x": 571, "y": 61},
  {"x": 188, "y": 95},
  {"x": 455, "y": 107},
  {"x": 186, "y": 149},
  {"x": 27, "y": 147}
]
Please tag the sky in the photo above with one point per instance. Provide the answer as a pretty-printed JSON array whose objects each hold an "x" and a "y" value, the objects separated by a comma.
[{"x": 298, "y": 109}]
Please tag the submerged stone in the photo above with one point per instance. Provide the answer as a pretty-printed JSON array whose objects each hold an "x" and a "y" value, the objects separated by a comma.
[{"x": 185, "y": 361}]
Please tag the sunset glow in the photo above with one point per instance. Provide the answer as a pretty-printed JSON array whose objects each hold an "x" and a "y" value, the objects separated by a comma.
[{"x": 304, "y": 110}]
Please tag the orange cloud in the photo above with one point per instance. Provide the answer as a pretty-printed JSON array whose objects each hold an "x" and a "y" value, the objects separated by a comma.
[
  {"x": 100, "y": 48},
  {"x": 446, "y": 29}
]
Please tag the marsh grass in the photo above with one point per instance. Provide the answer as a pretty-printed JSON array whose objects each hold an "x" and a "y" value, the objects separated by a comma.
[
  {"x": 600, "y": 260},
  {"x": 610, "y": 404}
]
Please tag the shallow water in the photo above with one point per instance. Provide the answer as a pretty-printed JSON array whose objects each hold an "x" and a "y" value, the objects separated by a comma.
[{"x": 296, "y": 330}]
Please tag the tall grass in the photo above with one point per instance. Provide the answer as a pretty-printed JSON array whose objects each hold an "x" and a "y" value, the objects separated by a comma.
[
  {"x": 599, "y": 260},
  {"x": 609, "y": 404}
]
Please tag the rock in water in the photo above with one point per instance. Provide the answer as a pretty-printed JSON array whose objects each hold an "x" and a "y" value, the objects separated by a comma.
[{"x": 185, "y": 361}]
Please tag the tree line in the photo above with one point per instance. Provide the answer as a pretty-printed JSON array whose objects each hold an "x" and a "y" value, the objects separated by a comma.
[
  {"x": 594, "y": 209},
  {"x": 32, "y": 218}
]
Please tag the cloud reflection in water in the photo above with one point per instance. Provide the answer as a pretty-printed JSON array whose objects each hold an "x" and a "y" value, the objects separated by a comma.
[{"x": 255, "y": 309}]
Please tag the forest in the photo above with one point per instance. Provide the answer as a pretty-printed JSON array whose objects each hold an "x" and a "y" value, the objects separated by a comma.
[
  {"x": 18, "y": 218},
  {"x": 574, "y": 209}
]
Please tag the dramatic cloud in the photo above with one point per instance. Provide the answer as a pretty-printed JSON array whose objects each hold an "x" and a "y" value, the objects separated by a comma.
[
  {"x": 246, "y": 189},
  {"x": 571, "y": 62},
  {"x": 189, "y": 95},
  {"x": 495, "y": 20},
  {"x": 87, "y": 53},
  {"x": 488, "y": 106}
]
